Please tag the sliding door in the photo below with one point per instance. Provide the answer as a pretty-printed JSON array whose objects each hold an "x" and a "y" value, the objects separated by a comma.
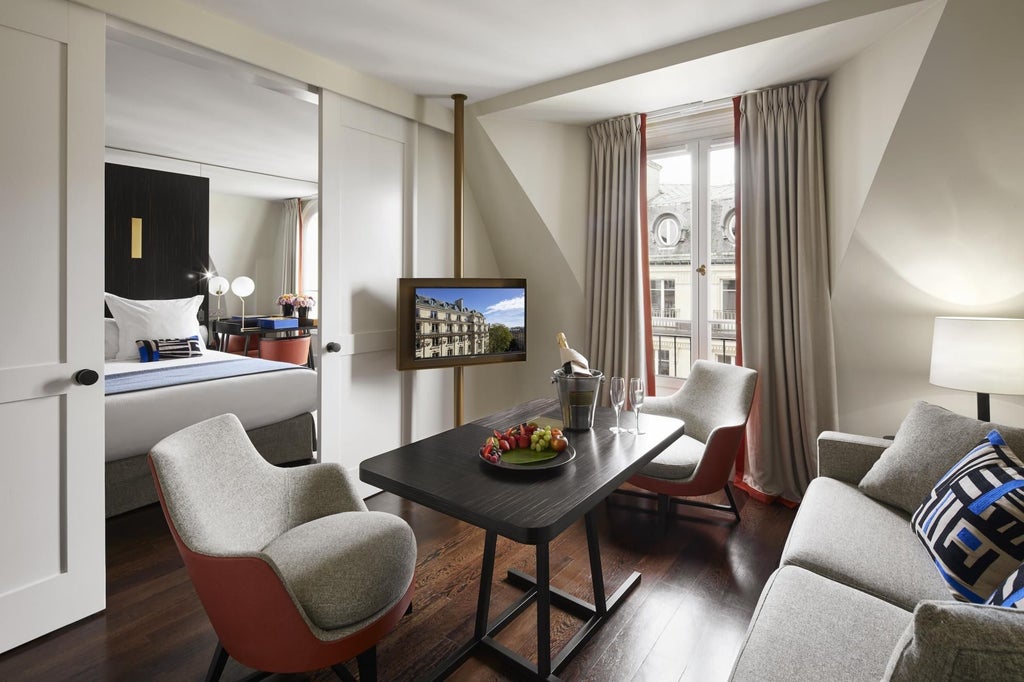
[
  {"x": 365, "y": 190},
  {"x": 51, "y": 271}
]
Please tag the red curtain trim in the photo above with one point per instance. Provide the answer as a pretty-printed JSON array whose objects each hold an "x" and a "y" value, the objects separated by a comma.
[
  {"x": 764, "y": 498},
  {"x": 645, "y": 251}
]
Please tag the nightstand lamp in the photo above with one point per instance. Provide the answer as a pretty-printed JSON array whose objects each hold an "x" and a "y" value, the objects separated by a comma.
[
  {"x": 243, "y": 286},
  {"x": 218, "y": 286},
  {"x": 980, "y": 354}
]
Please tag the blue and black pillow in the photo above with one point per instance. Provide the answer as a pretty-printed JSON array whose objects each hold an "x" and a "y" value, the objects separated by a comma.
[{"x": 151, "y": 350}]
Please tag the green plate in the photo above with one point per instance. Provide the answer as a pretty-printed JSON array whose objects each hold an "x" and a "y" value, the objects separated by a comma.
[{"x": 527, "y": 456}]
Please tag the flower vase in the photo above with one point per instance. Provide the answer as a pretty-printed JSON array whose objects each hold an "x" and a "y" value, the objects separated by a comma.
[
  {"x": 287, "y": 310},
  {"x": 303, "y": 313}
]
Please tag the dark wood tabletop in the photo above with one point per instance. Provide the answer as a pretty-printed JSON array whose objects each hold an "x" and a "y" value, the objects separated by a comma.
[{"x": 445, "y": 472}]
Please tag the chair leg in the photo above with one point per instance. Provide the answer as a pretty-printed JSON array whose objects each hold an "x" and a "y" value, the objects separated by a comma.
[
  {"x": 220, "y": 659},
  {"x": 367, "y": 662},
  {"x": 664, "y": 507},
  {"x": 732, "y": 501},
  {"x": 342, "y": 672}
]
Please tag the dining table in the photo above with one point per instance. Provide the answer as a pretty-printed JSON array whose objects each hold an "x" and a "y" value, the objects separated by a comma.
[{"x": 528, "y": 504}]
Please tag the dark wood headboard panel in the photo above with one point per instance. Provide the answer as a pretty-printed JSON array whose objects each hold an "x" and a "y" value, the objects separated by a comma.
[{"x": 175, "y": 213}]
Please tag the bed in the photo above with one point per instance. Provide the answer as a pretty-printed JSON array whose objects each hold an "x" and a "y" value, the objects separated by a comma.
[{"x": 146, "y": 401}]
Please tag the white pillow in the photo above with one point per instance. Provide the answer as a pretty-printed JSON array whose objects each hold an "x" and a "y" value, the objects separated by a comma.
[
  {"x": 110, "y": 333},
  {"x": 167, "y": 319}
]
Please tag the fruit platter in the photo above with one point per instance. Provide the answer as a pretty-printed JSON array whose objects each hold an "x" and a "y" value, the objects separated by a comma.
[{"x": 527, "y": 446}]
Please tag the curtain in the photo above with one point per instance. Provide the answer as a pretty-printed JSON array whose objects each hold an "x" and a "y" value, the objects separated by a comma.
[
  {"x": 309, "y": 247},
  {"x": 786, "y": 319},
  {"x": 615, "y": 282},
  {"x": 290, "y": 246}
]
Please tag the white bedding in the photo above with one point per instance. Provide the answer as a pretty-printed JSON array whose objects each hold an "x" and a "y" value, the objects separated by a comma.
[{"x": 136, "y": 421}]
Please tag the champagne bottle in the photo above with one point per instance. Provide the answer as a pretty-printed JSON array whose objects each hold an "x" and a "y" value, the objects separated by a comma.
[{"x": 573, "y": 363}]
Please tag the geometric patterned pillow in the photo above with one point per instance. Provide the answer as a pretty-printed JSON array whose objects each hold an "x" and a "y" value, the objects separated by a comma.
[
  {"x": 1011, "y": 593},
  {"x": 973, "y": 522},
  {"x": 151, "y": 350}
]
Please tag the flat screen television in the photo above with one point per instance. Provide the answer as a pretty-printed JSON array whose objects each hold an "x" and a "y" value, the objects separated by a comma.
[{"x": 448, "y": 322}]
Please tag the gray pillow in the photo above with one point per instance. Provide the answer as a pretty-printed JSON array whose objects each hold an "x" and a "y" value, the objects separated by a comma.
[
  {"x": 929, "y": 442},
  {"x": 962, "y": 642}
]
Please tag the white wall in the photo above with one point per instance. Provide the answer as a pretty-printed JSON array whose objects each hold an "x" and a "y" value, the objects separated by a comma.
[
  {"x": 937, "y": 232},
  {"x": 516, "y": 169},
  {"x": 246, "y": 239}
]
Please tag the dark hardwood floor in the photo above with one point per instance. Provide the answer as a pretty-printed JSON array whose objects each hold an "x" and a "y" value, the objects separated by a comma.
[{"x": 685, "y": 621}]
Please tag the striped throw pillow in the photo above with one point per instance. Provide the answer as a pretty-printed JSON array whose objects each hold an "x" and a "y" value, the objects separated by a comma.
[
  {"x": 972, "y": 523},
  {"x": 1011, "y": 593},
  {"x": 151, "y": 350}
]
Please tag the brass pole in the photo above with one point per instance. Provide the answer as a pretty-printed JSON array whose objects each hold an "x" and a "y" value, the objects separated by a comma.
[{"x": 458, "y": 169}]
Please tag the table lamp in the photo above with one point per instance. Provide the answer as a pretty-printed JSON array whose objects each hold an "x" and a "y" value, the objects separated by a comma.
[
  {"x": 218, "y": 286},
  {"x": 243, "y": 286},
  {"x": 980, "y": 354}
]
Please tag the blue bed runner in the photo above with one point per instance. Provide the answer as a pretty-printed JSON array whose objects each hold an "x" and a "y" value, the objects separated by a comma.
[{"x": 159, "y": 377}]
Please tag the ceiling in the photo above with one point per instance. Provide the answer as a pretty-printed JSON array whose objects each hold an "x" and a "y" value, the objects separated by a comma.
[{"x": 570, "y": 61}]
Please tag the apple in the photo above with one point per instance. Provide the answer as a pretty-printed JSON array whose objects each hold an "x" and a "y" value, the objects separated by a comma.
[{"x": 559, "y": 443}]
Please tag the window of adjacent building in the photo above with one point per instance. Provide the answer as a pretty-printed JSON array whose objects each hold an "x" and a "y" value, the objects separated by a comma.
[{"x": 692, "y": 249}]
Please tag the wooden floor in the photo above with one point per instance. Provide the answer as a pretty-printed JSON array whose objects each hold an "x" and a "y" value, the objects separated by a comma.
[{"x": 685, "y": 621}]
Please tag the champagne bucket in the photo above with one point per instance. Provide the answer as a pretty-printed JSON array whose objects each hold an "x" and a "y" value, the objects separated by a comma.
[{"x": 578, "y": 396}]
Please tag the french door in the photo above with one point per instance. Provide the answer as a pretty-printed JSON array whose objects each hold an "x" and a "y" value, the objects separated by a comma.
[{"x": 692, "y": 255}]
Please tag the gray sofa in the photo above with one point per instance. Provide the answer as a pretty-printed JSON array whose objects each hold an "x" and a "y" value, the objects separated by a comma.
[{"x": 857, "y": 596}]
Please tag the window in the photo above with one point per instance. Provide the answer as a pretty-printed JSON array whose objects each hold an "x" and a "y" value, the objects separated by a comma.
[
  {"x": 692, "y": 250},
  {"x": 309, "y": 251}
]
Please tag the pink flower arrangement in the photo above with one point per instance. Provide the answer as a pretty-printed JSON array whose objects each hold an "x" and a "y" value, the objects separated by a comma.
[
  {"x": 303, "y": 301},
  {"x": 286, "y": 299}
]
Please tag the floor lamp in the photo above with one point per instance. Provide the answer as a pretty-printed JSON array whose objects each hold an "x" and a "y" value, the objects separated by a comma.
[{"x": 980, "y": 354}]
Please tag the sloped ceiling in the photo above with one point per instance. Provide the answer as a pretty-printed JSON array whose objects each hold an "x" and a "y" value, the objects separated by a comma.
[{"x": 938, "y": 232}]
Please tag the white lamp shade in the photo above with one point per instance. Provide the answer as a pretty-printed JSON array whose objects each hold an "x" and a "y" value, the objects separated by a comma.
[
  {"x": 243, "y": 286},
  {"x": 980, "y": 354},
  {"x": 218, "y": 286}
]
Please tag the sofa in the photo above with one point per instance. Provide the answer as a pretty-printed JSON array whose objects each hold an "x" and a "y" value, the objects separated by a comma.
[{"x": 857, "y": 595}]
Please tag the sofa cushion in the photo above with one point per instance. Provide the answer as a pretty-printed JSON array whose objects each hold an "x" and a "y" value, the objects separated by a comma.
[
  {"x": 928, "y": 443},
  {"x": 316, "y": 562},
  {"x": 842, "y": 534},
  {"x": 962, "y": 642},
  {"x": 806, "y": 627},
  {"x": 971, "y": 522}
]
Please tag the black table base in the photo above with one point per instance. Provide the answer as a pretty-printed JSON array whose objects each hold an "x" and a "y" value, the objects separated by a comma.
[{"x": 539, "y": 590}]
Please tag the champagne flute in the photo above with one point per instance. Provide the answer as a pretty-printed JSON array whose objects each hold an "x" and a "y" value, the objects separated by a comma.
[
  {"x": 636, "y": 395},
  {"x": 617, "y": 392}
]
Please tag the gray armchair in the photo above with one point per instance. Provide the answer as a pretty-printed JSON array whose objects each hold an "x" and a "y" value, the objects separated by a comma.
[
  {"x": 714, "y": 403},
  {"x": 293, "y": 571}
]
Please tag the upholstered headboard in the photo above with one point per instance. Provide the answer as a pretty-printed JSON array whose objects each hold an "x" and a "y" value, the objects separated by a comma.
[{"x": 157, "y": 234}]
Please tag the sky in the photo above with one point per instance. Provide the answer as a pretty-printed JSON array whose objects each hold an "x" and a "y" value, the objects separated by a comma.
[
  {"x": 676, "y": 168},
  {"x": 499, "y": 306}
]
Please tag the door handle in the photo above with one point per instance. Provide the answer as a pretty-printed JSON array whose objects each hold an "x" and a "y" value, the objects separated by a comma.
[
  {"x": 333, "y": 347},
  {"x": 702, "y": 270},
  {"x": 86, "y": 377}
]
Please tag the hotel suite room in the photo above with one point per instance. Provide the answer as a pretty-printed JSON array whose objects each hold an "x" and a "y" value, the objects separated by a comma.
[{"x": 923, "y": 161}]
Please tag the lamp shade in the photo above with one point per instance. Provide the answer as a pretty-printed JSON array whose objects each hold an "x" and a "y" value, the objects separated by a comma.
[
  {"x": 218, "y": 286},
  {"x": 980, "y": 354},
  {"x": 243, "y": 286}
]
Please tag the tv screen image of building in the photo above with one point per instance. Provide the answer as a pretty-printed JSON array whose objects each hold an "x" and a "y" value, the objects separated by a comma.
[{"x": 468, "y": 321}]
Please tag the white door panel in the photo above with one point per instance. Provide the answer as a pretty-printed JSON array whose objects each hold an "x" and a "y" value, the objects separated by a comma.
[
  {"x": 51, "y": 459},
  {"x": 364, "y": 195}
]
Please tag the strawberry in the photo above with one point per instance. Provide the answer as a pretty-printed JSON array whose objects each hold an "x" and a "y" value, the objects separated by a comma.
[{"x": 523, "y": 440}]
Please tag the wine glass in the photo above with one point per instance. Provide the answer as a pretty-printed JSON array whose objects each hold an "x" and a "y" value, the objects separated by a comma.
[
  {"x": 617, "y": 392},
  {"x": 636, "y": 395}
]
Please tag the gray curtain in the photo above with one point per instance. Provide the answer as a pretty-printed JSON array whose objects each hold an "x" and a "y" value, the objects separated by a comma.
[
  {"x": 785, "y": 311},
  {"x": 290, "y": 246},
  {"x": 614, "y": 290}
]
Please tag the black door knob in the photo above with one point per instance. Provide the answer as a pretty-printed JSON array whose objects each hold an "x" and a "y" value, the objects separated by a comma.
[
  {"x": 333, "y": 347},
  {"x": 86, "y": 377}
]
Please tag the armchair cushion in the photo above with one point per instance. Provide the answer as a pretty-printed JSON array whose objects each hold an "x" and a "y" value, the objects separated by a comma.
[
  {"x": 678, "y": 461},
  {"x": 346, "y": 567}
]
